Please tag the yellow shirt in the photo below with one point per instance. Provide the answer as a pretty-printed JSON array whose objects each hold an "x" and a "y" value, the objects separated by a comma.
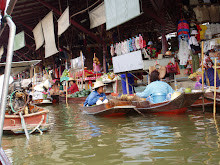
[{"x": 202, "y": 32}]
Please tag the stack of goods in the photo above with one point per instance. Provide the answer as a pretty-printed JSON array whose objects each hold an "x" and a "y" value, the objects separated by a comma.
[
  {"x": 82, "y": 93},
  {"x": 196, "y": 76},
  {"x": 108, "y": 77},
  {"x": 127, "y": 46}
]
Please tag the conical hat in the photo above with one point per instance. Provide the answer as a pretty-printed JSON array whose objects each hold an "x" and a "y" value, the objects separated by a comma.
[
  {"x": 98, "y": 84},
  {"x": 161, "y": 70}
]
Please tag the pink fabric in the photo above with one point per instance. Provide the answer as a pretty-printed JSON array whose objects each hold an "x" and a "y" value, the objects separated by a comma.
[{"x": 96, "y": 68}]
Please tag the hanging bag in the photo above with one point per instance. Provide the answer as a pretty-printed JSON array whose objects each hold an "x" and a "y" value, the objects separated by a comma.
[{"x": 171, "y": 68}]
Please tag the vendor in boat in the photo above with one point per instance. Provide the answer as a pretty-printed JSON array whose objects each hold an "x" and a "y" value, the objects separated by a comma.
[
  {"x": 73, "y": 87},
  {"x": 156, "y": 86},
  {"x": 97, "y": 95},
  {"x": 209, "y": 72},
  {"x": 55, "y": 89}
]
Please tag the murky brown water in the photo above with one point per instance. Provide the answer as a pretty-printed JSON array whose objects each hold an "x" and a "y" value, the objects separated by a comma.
[{"x": 192, "y": 138}]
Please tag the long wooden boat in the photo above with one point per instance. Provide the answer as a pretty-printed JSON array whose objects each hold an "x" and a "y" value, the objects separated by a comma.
[
  {"x": 108, "y": 110},
  {"x": 72, "y": 100},
  {"x": 55, "y": 98},
  {"x": 210, "y": 96},
  {"x": 12, "y": 124},
  {"x": 207, "y": 102},
  {"x": 177, "y": 106},
  {"x": 42, "y": 102}
]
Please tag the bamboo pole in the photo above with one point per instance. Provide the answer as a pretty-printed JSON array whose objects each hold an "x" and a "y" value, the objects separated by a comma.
[
  {"x": 82, "y": 69},
  {"x": 95, "y": 68},
  {"x": 66, "y": 92},
  {"x": 215, "y": 77},
  {"x": 202, "y": 52},
  {"x": 33, "y": 80},
  {"x": 126, "y": 79}
]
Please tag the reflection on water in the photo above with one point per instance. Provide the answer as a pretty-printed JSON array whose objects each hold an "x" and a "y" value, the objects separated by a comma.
[{"x": 192, "y": 138}]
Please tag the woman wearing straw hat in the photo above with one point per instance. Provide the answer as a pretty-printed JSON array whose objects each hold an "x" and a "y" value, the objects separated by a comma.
[
  {"x": 96, "y": 95},
  {"x": 73, "y": 87},
  {"x": 156, "y": 87}
]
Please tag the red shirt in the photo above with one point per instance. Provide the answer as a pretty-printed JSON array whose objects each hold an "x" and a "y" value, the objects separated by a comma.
[{"x": 74, "y": 88}]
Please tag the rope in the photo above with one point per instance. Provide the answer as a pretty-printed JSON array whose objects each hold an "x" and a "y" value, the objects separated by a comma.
[
  {"x": 11, "y": 101},
  {"x": 37, "y": 127}
]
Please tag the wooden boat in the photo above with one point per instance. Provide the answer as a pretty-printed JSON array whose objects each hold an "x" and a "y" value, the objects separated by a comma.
[
  {"x": 55, "y": 99},
  {"x": 72, "y": 100},
  {"x": 12, "y": 123},
  {"x": 108, "y": 110},
  {"x": 42, "y": 102},
  {"x": 207, "y": 102},
  {"x": 176, "y": 106}
]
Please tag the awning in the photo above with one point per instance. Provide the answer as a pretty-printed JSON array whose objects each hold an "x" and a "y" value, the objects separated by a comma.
[{"x": 17, "y": 67}]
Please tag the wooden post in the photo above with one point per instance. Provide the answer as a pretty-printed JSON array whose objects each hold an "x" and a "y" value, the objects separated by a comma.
[
  {"x": 66, "y": 92},
  {"x": 82, "y": 68},
  {"x": 202, "y": 52},
  {"x": 33, "y": 81},
  {"x": 215, "y": 78},
  {"x": 95, "y": 68},
  {"x": 127, "y": 86}
]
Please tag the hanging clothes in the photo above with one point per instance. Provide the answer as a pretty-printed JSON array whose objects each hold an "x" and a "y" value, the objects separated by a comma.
[
  {"x": 130, "y": 45},
  {"x": 183, "y": 29},
  {"x": 198, "y": 12},
  {"x": 214, "y": 13},
  {"x": 112, "y": 50},
  {"x": 198, "y": 30},
  {"x": 193, "y": 2},
  {"x": 183, "y": 53},
  {"x": 141, "y": 42},
  {"x": 202, "y": 32},
  {"x": 137, "y": 43},
  {"x": 205, "y": 14},
  {"x": 133, "y": 44}
]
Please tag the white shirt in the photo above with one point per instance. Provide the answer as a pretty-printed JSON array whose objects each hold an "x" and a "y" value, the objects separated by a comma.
[
  {"x": 193, "y": 41},
  {"x": 1, "y": 84}
]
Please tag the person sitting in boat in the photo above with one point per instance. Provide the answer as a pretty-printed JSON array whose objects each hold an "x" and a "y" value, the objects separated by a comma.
[
  {"x": 155, "y": 87},
  {"x": 73, "y": 87},
  {"x": 55, "y": 89},
  {"x": 209, "y": 72},
  {"x": 97, "y": 95}
]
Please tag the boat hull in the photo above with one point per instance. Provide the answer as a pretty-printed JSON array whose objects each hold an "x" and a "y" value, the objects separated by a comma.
[
  {"x": 176, "y": 106},
  {"x": 107, "y": 110},
  {"x": 72, "y": 100},
  {"x": 12, "y": 123}
]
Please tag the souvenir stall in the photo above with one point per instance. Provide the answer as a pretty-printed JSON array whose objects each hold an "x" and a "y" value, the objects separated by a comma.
[{"x": 132, "y": 56}]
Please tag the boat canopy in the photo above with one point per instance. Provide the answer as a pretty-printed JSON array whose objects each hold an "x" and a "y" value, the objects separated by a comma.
[{"x": 17, "y": 67}]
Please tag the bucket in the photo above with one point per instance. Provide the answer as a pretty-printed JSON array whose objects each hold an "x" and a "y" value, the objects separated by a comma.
[{"x": 158, "y": 97}]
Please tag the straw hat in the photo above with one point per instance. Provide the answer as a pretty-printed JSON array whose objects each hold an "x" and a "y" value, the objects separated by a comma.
[
  {"x": 168, "y": 53},
  {"x": 161, "y": 70},
  {"x": 98, "y": 84},
  {"x": 194, "y": 32},
  {"x": 71, "y": 79}
]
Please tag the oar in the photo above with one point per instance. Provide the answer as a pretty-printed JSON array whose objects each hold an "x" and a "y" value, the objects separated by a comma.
[
  {"x": 24, "y": 126},
  {"x": 139, "y": 112}
]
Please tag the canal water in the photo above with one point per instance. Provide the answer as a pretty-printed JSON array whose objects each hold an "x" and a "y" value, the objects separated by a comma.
[{"x": 75, "y": 138}]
